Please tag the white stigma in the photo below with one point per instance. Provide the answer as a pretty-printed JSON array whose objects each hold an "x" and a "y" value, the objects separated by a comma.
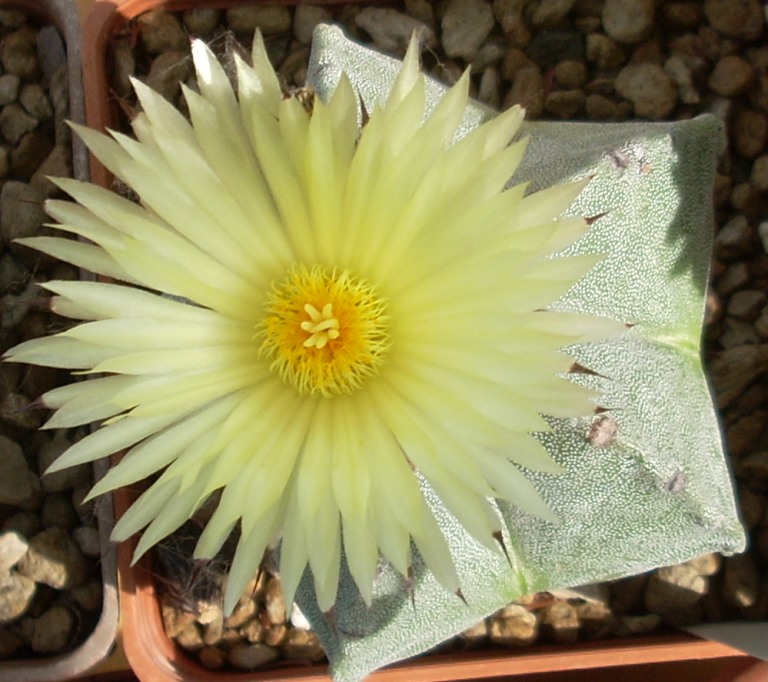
[{"x": 322, "y": 326}]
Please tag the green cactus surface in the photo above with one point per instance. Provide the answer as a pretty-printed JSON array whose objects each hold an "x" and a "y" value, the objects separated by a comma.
[{"x": 646, "y": 482}]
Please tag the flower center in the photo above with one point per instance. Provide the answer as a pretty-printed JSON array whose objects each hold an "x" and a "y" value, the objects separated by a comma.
[{"x": 325, "y": 331}]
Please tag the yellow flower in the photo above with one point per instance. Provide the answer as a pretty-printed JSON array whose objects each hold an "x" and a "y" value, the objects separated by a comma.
[{"x": 306, "y": 314}]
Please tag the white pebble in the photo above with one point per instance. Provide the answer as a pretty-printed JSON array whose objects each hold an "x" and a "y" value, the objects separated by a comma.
[{"x": 298, "y": 619}]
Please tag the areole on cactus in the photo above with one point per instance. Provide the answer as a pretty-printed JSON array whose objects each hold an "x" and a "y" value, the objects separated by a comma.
[{"x": 361, "y": 336}]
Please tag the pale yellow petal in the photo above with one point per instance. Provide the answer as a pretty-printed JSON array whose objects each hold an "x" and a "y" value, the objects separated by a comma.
[
  {"x": 110, "y": 439},
  {"x": 142, "y": 511}
]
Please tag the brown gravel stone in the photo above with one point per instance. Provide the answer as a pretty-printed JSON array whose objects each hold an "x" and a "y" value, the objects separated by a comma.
[
  {"x": 676, "y": 68},
  {"x": 707, "y": 564},
  {"x": 161, "y": 31},
  {"x": 518, "y": 628},
  {"x": 734, "y": 277},
  {"x": 560, "y": 622},
  {"x": 603, "y": 52},
  {"x": 273, "y": 602},
  {"x": 681, "y": 16},
  {"x": 746, "y": 304},
  {"x": 742, "y": 434},
  {"x": 746, "y": 199},
  {"x": 628, "y": 21},
  {"x": 752, "y": 504},
  {"x": 742, "y": 580},
  {"x": 528, "y": 91},
  {"x": 476, "y": 633},
  {"x": 550, "y": 13},
  {"x": 211, "y": 658},
  {"x": 750, "y": 133},
  {"x": 735, "y": 18},
  {"x": 302, "y": 645},
  {"x": 274, "y": 635},
  {"x": 734, "y": 239},
  {"x": 19, "y": 54},
  {"x": 271, "y": 19},
  {"x": 514, "y": 60},
  {"x": 674, "y": 589},
  {"x": 52, "y": 631},
  {"x": 737, "y": 333},
  {"x": 649, "y": 88},
  {"x": 250, "y": 656},
  {"x": 600, "y": 108},
  {"x": 252, "y": 631},
  {"x": 761, "y": 542},
  {"x": 16, "y": 594},
  {"x": 509, "y": 15},
  {"x": 243, "y": 612},
  {"x": 54, "y": 559},
  {"x": 753, "y": 399},
  {"x": 564, "y": 104},
  {"x": 732, "y": 76},
  {"x": 168, "y": 71},
  {"x": 735, "y": 369},
  {"x": 489, "y": 90},
  {"x": 637, "y": 625},
  {"x": 391, "y": 30},
  {"x": 190, "y": 638},
  {"x": 761, "y": 324},
  {"x": 596, "y": 619},
  {"x": 759, "y": 176},
  {"x": 465, "y": 25},
  {"x": 175, "y": 621},
  {"x": 201, "y": 21},
  {"x": 571, "y": 74},
  {"x": 757, "y": 463}
]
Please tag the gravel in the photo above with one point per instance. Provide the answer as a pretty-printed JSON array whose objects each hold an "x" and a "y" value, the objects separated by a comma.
[{"x": 50, "y": 591}]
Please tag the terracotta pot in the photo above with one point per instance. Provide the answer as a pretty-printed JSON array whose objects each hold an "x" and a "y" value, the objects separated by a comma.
[
  {"x": 153, "y": 657},
  {"x": 64, "y": 16}
]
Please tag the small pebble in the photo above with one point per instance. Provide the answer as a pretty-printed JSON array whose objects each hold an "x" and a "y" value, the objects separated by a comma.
[
  {"x": 674, "y": 588},
  {"x": 201, "y": 21},
  {"x": 560, "y": 622},
  {"x": 746, "y": 304},
  {"x": 306, "y": 18},
  {"x": 750, "y": 133},
  {"x": 519, "y": 627},
  {"x": 465, "y": 25},
  {"x": 391, "y": 30},
  {"x": 251, "y": 656},
  {"x": 649, "y": 88},
  {"x": 742, "y": 580},
  {"x": 736, "y": 18},
  {"x": 51, "y": 632},
  {"x": 161, "y": 31},
  {"x": 731, "y": 76},
  {"x": 270, "y": 19},
  {"x": 628, "y": 21},
  {"x": 604, "y": 52}
]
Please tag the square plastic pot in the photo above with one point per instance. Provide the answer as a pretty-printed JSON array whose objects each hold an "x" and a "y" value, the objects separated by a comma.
[{"x": 155, "y": 658}]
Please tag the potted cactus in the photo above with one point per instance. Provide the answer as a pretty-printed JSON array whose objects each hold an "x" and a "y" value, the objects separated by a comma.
[{"x": 625, "y": 473}]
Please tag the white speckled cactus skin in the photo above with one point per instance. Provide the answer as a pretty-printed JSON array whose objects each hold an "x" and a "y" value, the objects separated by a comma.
[{"x": 660, "y": 493}]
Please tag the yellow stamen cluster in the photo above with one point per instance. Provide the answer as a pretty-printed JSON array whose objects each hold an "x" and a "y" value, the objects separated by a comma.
[{"x": 325, "y": 331}]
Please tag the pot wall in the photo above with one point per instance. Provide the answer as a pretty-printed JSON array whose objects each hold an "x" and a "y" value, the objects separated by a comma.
[{"x": 63, "y": 15}]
